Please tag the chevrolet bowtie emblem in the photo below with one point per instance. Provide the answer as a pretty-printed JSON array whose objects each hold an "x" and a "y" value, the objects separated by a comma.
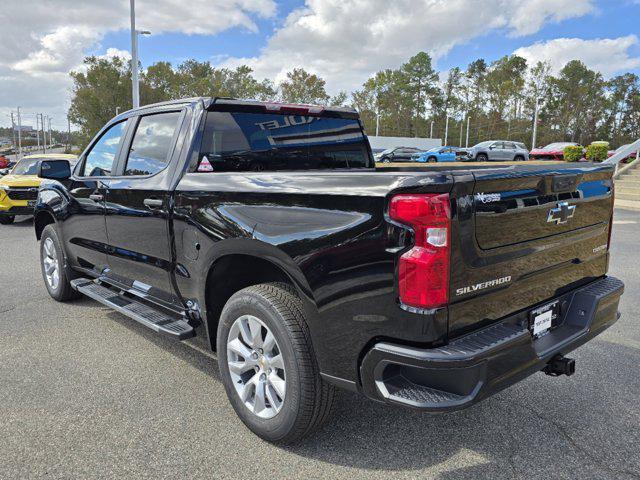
[{"x": 561, "y": 213}]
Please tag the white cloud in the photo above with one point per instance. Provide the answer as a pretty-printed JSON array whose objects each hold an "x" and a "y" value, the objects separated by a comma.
[
  {"x": 608, "y": 56},
  {"x": 345, "y": 41},
  {"x": 42, "y": 41}
]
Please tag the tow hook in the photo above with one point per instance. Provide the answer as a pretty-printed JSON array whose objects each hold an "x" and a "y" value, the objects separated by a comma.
[{"x": 560, "y": 365}]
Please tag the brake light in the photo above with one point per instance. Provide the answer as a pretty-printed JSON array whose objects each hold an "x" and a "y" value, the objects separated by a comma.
[
  {"x": 423, "y": 271},
  {"x": 293, "y": 108}
]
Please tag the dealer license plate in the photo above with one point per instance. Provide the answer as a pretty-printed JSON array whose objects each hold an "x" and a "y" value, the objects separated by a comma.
[{"x": 544, "y": 318}]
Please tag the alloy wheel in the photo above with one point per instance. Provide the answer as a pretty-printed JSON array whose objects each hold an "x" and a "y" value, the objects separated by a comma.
[
  {"x": 256, "y": 366},
  {"x": 51, "y": 264}
]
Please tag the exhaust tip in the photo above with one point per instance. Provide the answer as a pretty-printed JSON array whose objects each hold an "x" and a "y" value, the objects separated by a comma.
[{"x": 560, "y": 365}]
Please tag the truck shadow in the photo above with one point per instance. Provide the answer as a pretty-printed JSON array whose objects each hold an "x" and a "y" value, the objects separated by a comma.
[{"x": 525, "y": 431}]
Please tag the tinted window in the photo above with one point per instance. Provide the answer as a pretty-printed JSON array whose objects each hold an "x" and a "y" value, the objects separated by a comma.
[
  {"x": 149, "y": 152},
  {"x": 256, "y": 141},
  {"x": 101, "y": 157},
  {"x": 498, "y": 145},
  {"x": 510, "y": 146}
]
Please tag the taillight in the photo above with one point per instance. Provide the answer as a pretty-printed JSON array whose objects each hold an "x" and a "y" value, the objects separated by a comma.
[{"x": 423, "y": 271}]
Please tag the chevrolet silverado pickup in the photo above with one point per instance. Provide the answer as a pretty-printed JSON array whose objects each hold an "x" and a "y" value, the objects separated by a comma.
[{"x": 265, "y": 231}]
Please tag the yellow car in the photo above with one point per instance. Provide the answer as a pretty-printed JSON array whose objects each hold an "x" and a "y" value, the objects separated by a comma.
[{"x": 19, "y": 189}]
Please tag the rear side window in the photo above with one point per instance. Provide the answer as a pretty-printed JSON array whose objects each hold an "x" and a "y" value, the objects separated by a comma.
[
  {"x": 151, "y": 145},
  {"x": 101, "y": 158},
  {"x": 256, "y": 142}
]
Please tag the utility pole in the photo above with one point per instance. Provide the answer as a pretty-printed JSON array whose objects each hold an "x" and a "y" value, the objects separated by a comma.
[
  {"x": 19, "y": 135},
  {"x": 134, "y": 57},
  {"x": 461, "y": 125},
  {"x": 466, "y": 145},
  {"x": 446, "y": 131},
  {"x": 38, "y": 130},
  {"x": 68, "y": 134},
  {"x": 535, "y": 125},
  {"x": 431, "y": 131},
  {"x": 44, "y": 135},
  {"x": 50, "y": 138},
  {"x": 13, "y": 131}
]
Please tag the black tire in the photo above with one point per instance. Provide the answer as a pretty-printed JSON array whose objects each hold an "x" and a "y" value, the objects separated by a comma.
[
  {"x": 6, "y": 219},
  {"x": 386, "y": 160},
  {"x": 63, "y": 291},
  {"x": 432, "y": 160},
  {"x": 309, "y": 399},
  {"x": 482, "y": 157},
  {"x": 518, "y": 158}
]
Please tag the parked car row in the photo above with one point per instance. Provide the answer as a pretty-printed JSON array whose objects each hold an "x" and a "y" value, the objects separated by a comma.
[{"x": 492, "y": 150}]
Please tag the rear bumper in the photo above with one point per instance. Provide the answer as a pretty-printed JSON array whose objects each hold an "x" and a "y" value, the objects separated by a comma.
[{"x": 482, "y": 363}]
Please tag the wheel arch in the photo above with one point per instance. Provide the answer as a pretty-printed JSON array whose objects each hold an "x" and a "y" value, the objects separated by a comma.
[
  {"x": 233, "y": 271},
  {"x": 41, "y": 219}
]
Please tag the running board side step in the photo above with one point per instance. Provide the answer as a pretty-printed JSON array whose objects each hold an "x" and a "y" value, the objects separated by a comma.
[{"x": 156, "y": 320}]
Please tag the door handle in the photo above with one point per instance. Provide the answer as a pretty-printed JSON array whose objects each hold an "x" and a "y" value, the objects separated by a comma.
[
  {"x": 152, "y": 202},
  {"x": 96, "y": 197}
]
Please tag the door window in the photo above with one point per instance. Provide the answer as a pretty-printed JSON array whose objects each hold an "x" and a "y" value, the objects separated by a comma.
[
  {"x": 510, "y": 146},
  {"x": 151, "y": 146},
  {"x": 101, "y": 158},
  {"x": 498, "y": 146}
]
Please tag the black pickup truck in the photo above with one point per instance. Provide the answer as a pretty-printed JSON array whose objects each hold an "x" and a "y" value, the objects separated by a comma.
[{"x": 265, "y": 231}]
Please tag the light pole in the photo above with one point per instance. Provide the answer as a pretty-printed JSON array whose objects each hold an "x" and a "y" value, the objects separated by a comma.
[
  {"x": 135, "y": 92},
  {"x": 466, "y": 145},
  {"x": 19, "y": 134},
  {"x": 535, "y": 124}
]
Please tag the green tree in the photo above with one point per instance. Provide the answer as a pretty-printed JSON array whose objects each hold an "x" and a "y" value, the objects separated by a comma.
[
  {"x": 303, "y": 87},
  {"x": 240, "y": 83},
  {"x": 418, "y": 80},
  {"x": 576, "y": 103},
  {"x": 98, "y": 93}
]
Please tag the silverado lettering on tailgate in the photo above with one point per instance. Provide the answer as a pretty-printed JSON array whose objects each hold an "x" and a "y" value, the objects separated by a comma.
[{"x": 483, "y": 285}]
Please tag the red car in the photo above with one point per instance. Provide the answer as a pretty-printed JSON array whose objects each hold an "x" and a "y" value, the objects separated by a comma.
[
  {"x": 553, "y": 151},
  {"x": 627, "y": 159},
  {"x": 4, "y": 162}
]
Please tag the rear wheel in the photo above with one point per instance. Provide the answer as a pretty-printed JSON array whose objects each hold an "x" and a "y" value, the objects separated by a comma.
[
  {"x": 55, "y": 272},
  {"x": 6, "y": 219},
  {"x": 482, "y": 157},
  {"x": 267, "y": 364},
  {"x": 519, "y": 158}
]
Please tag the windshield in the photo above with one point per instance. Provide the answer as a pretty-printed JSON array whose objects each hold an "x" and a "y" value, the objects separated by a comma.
[
  {"x": 483, "y": 144},
  {"x": 26, "y": 166},
  {"x": 435, "y": 149},
  {"x": 388, "y": 150},
  {"x": 558, "y": 146}
]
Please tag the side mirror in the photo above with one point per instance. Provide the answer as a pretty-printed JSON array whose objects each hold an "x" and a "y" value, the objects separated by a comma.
[{"x": 54, "y": 169}]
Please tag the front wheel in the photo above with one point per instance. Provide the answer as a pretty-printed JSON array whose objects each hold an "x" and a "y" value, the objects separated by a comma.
[
  {"x": 482, "y": 157},
  {"x": 6, "y": 219},
  {"x": 267, "y": 364},
  {"x": 55, "y": 272},
  {"x": 432, "y": 160}
]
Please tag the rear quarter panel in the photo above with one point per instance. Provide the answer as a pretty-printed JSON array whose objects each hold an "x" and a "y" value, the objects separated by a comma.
[{"x": 328, "y": 232}]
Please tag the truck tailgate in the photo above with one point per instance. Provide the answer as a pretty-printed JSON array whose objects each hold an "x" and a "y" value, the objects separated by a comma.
[{"x": 526, "y": 234}]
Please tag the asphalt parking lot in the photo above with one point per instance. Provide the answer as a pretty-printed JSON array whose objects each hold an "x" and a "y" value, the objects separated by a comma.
[{"x": 88, "y": 393}]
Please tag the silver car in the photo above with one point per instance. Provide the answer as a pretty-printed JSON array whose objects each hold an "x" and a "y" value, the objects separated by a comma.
[{"x": 498, "y": 150}]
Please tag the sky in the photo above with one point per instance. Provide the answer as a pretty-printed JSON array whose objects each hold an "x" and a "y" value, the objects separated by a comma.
[{"x": 343, "y": 41}]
